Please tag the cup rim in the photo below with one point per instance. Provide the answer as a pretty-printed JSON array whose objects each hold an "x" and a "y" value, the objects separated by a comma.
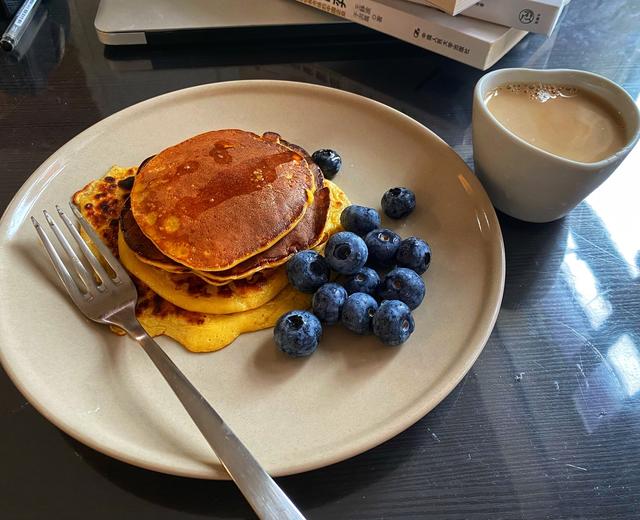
[{"x": 622, "y": 152}]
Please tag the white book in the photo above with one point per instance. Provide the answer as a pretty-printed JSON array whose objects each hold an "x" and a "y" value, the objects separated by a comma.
[
  {"x": 452, "y": 7},
  {"x": 474, "y": 42},
  {"x": 537, "y": 16}
]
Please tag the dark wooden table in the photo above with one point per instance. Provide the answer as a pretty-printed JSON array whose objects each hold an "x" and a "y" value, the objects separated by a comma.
[{"x": 545, "y": 425}]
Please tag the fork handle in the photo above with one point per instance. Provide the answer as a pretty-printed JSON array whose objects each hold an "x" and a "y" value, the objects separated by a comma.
[{"x": 263, "y": 494}]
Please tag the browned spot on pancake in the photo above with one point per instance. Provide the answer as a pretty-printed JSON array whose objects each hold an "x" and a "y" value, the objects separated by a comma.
[
  {"x": 226, "y": 212},
  {"x": 187, "y": 167},
  {"x": 158, "y": 306},
  {"x": 220, "y": 152},
  {"x": 103, "y": 214},
  {"x": 126, "y": 183},
  {"x": 225, "y": 291},
  {"x": 194, "y": 285}
]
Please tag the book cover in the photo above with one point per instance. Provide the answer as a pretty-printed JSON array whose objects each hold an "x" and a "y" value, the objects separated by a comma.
[
  {"x": 537, "y": 16},
  {"x": 452, "y": 7},
  {"x": 474, "y": 42}
]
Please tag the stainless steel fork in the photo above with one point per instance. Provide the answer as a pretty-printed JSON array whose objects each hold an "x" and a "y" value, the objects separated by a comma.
[{"x": 110, "y": 298}]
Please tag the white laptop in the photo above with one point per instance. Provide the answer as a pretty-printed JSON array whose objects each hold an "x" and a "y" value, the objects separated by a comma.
[{"x": 139, "y": 22}]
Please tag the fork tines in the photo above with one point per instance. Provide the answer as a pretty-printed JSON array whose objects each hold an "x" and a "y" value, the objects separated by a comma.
[{"x": 81, "y": 273}]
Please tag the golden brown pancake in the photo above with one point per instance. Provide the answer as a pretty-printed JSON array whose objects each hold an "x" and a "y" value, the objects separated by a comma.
[
  {"x": 304, "y": 236},
  {"x": 191, "y": 293},
  {"x": 185, "y": 290},
  {"x": 269, "y": 259},
  {"x": 221, "y": 197},
  {"x": 200, "y": 332},
  {"x": 100, "y": 201}
]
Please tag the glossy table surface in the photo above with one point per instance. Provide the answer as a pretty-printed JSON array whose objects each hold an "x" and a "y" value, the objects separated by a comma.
[{"x": 546, "y": 425}]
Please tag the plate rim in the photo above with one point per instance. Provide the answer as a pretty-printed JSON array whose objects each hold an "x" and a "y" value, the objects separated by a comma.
[{"x": 38, "y": 181}]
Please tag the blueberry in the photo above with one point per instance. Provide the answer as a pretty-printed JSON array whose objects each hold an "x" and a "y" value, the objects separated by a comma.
[
  {"x": 393, "y": 323},
  {"x": 366, "y": 280},
  {"x": 328, "y": 161},
  {"x": 297, "y": 333},
  {"x": 403, "y": 284},
  {"x": 327, "y": 302},
  {"x": 346, "y": 252},
  {"x": 307, "y": 270},
  {"x": 415, "y": 254},
  {"x": 382, "y": 245},
  {"x": 398, "y": 202},
  {"x": 358, "y": 312},
  {"x": 359, "y": 219}
]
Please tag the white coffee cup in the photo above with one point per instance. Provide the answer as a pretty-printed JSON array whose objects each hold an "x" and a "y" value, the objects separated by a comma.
[{"x": 527, "y": 182}]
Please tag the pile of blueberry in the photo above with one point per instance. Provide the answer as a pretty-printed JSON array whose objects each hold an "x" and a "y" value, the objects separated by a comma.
[{"x": 379, "y": 281}]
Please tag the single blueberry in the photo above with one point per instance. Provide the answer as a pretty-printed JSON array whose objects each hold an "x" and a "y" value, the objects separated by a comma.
[
  {"x": 307, "y": 270},
  {"x": 297, "y": 333},
  {"x": 327, "y": 302},
  {"x": 346, "y": 252},
  {"x": 403, "y": 284},
  {"x": 358, "y": 312},
  {"x": 415, "y": 254},
  {"x": 328, "y": 161},
  {"x": 393, "y": 322},
  {"x": 366, "y": 280},
  {"x": 398, "y": 202},
  {"x": 382, "y": 245},
  {"x": 359, "y": 219}
]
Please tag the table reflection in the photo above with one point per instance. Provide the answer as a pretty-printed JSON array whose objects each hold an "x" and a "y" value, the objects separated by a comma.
[
  {"x": 40, "y": 50},
  {"x": 545, "y": 425}
]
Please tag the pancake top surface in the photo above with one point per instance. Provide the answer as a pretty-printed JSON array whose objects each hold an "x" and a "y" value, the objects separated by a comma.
[
  {"x": 221, "y": 197},
  {"x": 305, "y": 235}
]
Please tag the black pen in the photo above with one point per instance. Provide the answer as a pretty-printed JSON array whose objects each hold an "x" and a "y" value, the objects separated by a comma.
[{"x": 18, "y": 25}]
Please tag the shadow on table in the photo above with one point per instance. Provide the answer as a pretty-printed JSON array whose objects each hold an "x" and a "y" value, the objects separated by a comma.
[{"x": 222, "y": 498}]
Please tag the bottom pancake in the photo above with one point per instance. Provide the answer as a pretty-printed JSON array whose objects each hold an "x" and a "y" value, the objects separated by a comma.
[
  {"x": 200, "y": 332},
  {"x": 194, "y": 294}
]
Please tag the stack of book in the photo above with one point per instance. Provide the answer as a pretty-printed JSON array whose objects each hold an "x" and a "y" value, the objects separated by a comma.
[{"x": 474, "y": 32}]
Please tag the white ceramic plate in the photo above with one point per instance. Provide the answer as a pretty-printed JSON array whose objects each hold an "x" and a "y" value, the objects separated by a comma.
[{"x": 294, "y": 414}]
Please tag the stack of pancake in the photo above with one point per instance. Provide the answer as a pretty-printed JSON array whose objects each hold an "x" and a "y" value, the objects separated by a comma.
[{"x": 206, "y": 227}]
